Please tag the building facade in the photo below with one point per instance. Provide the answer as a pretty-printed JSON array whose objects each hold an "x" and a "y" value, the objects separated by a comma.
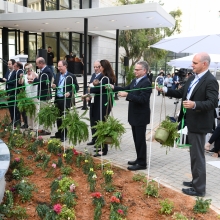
[{"x": 13, "y": 41}]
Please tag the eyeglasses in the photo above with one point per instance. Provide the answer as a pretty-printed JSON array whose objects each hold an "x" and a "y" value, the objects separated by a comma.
[
  {"x": 137, "y": 69},
  {"x": 96, "y": 66}
]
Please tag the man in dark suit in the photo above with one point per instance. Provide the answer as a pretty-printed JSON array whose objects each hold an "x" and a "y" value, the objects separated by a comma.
[
  {"x": 200, "y": 98},
  {"x": 150, "y": 76},
  {"x": 91, "y": 102},
  {"x": 44, "y": 85},
  {"x": 11, "y": 78},
  {"x": 63, "y": 85},
  {"x": 138, "y": 112}
]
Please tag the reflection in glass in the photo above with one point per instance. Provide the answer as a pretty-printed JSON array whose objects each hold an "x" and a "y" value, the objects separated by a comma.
[
  {"x": 64, "y": 4},
  {"x": 76, "y": 4},
  {"x": 0, "y": 36},
  {"x": 64, "y": 35},
  {"x": 39, "y": 42},
  {"x": 21, "y": 42},
  {"x": 75, "y": 48},
  {"x": 34, "y": 4},
  {"x": 50, "y": 5},
  {"x": 32, "y": 47},
  {"x": 11, "y": 37},
  {"x": 1, "y": 63},
  {"x": 18, "y": 2},
  {"x": 11, "y": 51},
  {"x": 64, "y": 48}
]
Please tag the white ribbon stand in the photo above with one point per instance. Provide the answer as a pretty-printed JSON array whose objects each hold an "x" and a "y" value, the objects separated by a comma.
[
  {"x": 152, "y": 128},
  {"x": 64, "y": 112},
  {"x": 39, "y": 99},
  {"x": 101, "y": 109},
  {"x": 183, "y": 132}
]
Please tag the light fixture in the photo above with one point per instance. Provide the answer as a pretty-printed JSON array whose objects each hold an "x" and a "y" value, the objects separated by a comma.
[
  {"x": 45, "y": 23},
  {"x": 95, "y": 27},
  {"x": 127, "y": 26},
  {"x": 159, "y": 24},
  {"x": 112, "y": 20},
  {"x": 41, "y": 29},
  {"x": 149, "y": 17},
  {"x": 16, "y": 25},
  {"x": 77, "y": 22},
  {"x": 67, "y": 28}
]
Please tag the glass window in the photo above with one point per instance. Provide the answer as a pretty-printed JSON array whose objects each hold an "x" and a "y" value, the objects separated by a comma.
[
  {"x": 39, "y": 41},
  {"x": 85, "y": 4},
  {"x": 18, "y": 2},
  {"x": 64, "y": 48},
  {"x": 11, "y": 42},
  {"x": 21, "y": 42},
  {"x": 11, "y": 50},
  {"x": 76, "y": 4},
  {"x": 36, "y": 5},
  {"x": 50, "y": 5},
  {"x": 75, "y": 48},
  {"x": 75, "y": 37},
  {"x": 64, "y": 4},
  {"x": 64, "y": 35},
  {"x": 32, "y": 47}
]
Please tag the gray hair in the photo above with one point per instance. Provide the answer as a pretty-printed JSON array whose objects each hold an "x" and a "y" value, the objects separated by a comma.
[
  {"x": 205, "y": 58},
  {"x": 144, "y": 65},
  {"x": 41, "y": 60}
]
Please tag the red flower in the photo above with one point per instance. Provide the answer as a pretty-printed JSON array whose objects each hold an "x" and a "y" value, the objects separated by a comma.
[
  {"x": 115, "y": 199},
  {"x": 75, "y": 152},
  {"x": 97, "y": 195},
  {"x": 120, "y": 211},
  {"x": 57, "y": 208},
  {"x": 17, "y": 159}
]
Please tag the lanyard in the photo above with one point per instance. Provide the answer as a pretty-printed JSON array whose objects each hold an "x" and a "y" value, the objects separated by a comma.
[
  {"x": 190, "y": 87},
  {"x": 60, "y": 81}
]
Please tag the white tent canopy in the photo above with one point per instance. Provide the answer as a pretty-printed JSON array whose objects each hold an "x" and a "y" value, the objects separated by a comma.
[
  {"x": 186, "y": 62},
  {"x": 192, "y": 42}
]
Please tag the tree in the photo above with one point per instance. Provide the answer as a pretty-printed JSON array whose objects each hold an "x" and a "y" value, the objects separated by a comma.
[{"x": 136, "y": 42}]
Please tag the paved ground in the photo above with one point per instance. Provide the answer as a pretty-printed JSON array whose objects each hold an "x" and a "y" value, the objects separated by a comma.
[{"x": 170, "y": 169}]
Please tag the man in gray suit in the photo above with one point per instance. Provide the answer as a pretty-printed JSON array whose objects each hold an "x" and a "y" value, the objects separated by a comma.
[{"x": 199, "y": 98}]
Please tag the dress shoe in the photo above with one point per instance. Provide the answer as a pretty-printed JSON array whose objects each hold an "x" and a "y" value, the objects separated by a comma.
[
  {"x": 91, "y": 143},
  {"x": 192, "y": 192},
  {"x": 53, "y": 136},
  {"x": 63, "y": 139},
  {"x": 132, "y": 162},
  {"x": 42, "y": 132},
  {"x": 188, "y": 184},
  {"x": 24, "y": 126},
  {"x": 212, "y": 150},
  {"x": 137, "y": 167}
]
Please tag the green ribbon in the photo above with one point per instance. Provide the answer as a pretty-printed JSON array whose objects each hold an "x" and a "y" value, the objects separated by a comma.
[{"x": 182, "y": 123}]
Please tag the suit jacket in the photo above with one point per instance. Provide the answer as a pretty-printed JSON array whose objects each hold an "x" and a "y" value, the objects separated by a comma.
[
  {"x": 68, "y": 85},
  {"x": 139, "y": 102},
  {"x": 95, "y": 108},
  {"x": 10, "y": 84},
  {"x": 205, "y": 95},
  {"x": 45, "y": 93}
]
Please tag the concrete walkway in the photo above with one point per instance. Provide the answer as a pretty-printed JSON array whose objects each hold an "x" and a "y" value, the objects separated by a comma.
[{"x": 172, "y": 168}]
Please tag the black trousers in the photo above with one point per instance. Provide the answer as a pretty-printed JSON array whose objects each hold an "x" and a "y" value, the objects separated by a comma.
[
  {"x": 14, "y": 112},
  {"x": 60, "y": 105},
  {"x": 139, "y": 136},
  {"x": 198, "y": 164},
  {"x": 92, "y": 121}
]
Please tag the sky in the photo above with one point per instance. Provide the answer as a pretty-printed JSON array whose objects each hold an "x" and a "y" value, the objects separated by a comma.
[{"x": 196, "y": 14}]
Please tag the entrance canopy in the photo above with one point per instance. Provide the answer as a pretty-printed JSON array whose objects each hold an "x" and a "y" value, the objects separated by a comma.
[{"x": 126, "y": 17}]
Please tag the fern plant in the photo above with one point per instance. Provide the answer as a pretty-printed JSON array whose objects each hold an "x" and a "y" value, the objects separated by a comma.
[
  {"x": 48, "y": 115},
  {"x": 171, "y": 127},
  {"x": 111, "y": 127},
  {"x": 77, "y": 129},
  {"x": 26, "y": 104}
]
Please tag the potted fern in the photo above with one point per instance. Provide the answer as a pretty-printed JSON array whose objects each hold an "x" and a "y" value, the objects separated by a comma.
[
  {"x": 109, "y": 131},
  {"x": 166, "y": 134},
  {"x": 26, "y": 104},
  {"x": 77, "y": 129},
  {"x": 48, "y": 115}
]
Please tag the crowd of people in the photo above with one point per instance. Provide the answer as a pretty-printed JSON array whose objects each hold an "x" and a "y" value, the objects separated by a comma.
[{"x": 39, "y": 89}]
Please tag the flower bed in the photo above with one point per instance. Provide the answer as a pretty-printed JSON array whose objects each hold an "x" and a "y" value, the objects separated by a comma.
[{"x": 66, "y": 185}]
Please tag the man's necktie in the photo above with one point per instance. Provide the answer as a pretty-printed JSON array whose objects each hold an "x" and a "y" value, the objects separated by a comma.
[{"x": 135, "y": 83}]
